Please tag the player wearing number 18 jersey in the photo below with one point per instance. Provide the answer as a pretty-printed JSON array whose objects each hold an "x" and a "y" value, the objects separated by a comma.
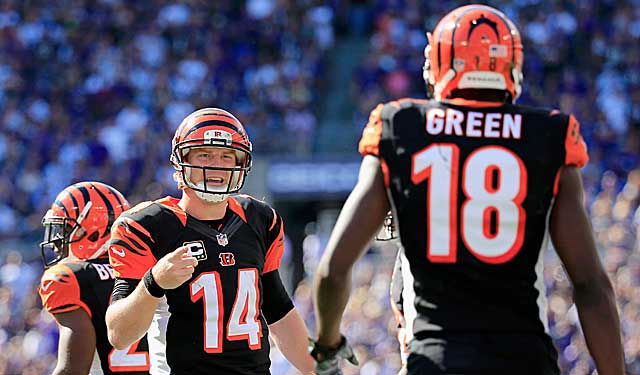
[
  {"x": 213, "y": 255},
  {"x": 77, "y": 283},
  {"x": 477, "y": 186}
]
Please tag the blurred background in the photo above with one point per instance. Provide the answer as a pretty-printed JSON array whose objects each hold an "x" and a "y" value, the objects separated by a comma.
[{"x": 94, "y": 89}]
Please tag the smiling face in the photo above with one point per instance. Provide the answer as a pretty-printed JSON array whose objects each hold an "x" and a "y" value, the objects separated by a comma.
[{"x": 214, "y": 179}]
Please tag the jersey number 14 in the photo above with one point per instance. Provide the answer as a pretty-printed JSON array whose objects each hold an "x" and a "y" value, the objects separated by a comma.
[
  {"x": 243, "y": 323},
  {"x": 492, "y": 219}
]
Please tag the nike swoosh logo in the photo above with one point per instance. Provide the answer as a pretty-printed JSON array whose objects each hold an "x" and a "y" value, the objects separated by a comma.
[
  {"x": 46, "y": 286},
  {"x": 118, "y": 252}
]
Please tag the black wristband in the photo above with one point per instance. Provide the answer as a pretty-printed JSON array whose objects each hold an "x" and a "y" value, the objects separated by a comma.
[{"x": 152, "y": 286}]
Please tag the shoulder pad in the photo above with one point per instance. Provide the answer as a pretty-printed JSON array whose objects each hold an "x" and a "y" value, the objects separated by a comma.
[{"x": 59, "y": 289}]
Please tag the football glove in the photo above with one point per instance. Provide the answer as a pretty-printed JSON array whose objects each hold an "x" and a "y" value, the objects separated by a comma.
[{"x": 327, "y": 359}]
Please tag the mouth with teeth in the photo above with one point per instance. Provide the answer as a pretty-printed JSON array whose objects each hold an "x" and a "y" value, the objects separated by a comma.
[{"x": 214, "y": 180}]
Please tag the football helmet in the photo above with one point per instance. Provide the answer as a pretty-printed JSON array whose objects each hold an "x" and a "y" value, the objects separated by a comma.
[
  {"x": 79, "y": 221},
  {"x": 211, "y": 127},
  {"x": 473, "y": 47}
]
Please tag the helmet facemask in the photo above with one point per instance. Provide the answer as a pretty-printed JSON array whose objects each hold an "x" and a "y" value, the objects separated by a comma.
[
  {"x": 207, "y": 189},
  {"x": 60, "y": 233},
  {"x": 211, "y": 128}
]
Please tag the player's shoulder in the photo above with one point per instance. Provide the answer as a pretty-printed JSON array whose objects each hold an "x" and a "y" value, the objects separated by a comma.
[
  {"x": 61, "y": 282},
  {"x": 551, "y": 115},
  {"x": 62, "y": 272},
  {"x": 250, "y": 203},
  {"x": 389, "y": 110},
  {"x": 253, "y": 208},
  {"x": 151, "y": 214},
  {"x": 66, "y": 268}
]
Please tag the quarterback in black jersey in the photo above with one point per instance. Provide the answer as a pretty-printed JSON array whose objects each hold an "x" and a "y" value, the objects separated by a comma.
[
  {"x": 77, "y": 283},
  {"x": 477, "y": 186},
  {"x": 214, "y": 256}
]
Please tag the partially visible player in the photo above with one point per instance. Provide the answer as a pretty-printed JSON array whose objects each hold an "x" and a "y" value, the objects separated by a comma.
[
  {"x": 477, "y": 185},
  {"x": 214, "y": 256},
  {"x": 77, "y": 283}
]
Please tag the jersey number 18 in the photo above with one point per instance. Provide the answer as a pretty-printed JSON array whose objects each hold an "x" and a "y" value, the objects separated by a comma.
[{"x": 492, "y": 220}]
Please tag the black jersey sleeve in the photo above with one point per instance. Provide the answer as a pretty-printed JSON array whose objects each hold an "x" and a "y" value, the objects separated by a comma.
[{"x": 277, "y": 302}]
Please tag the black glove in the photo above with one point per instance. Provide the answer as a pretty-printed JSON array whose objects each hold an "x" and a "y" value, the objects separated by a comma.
[{"x": 327, "y": 358}]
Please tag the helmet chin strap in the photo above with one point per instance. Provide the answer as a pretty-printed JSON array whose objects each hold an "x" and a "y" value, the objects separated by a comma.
[
  {"x": 210, "y": 197},
  {"x": 207, "y": 197}
]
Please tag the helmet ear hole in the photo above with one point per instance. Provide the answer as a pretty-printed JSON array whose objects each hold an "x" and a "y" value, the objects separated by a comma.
[{"x": 94, "y": 236}]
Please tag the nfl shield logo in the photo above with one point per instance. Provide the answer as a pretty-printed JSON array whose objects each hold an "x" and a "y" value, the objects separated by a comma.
[{"x": 222, "y": 239}]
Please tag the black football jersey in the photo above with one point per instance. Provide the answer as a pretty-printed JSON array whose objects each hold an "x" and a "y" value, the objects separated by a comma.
[
  {"x": 216, "y": 324},
  {"x": 87, "y": 285},
  {"x": 472, "y": 188}
]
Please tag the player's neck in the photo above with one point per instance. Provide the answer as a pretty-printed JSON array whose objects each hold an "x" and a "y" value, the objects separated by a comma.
[{"x": 201, "y": 209}]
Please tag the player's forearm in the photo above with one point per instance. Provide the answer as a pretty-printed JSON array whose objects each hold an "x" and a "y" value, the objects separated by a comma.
[
  {"x": 291, "y": 336},
  {"x": 601, "y": 326},
  {"x": 331, "y": 296},
  {"x": 129, "y": 318}
]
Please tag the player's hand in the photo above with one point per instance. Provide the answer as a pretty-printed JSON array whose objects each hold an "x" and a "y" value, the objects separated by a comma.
[
  {"x": 174, "y": 269},
  {"x": 327, "y": 359}
]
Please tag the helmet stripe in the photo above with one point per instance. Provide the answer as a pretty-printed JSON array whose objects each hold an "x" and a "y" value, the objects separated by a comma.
[
  {"x": 489, "y": 9},
  {"x": 75, "y": 202},
  {"x": 220, "y": 114},
  {"x": 61, "y": 205},
  {"x": 484, "y": 21},
  {"x": 499, "y": 15},
  {"x": 117, "y": 195},
  {"x": 453, "y": 34},
  {"x": 213, "y": 123},
  {"x": 513, "y": 51},
  {"x": 85, "y": 193},
  {"x": 111, "y": 214},
  {"x": 201, "y": 118}
]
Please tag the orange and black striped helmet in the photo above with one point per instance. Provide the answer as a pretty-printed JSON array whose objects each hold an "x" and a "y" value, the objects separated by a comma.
[
  {"x": 474, "y": 47},
  {"x": 79, "y": 221},
  {"x": 211, "y": 127}
]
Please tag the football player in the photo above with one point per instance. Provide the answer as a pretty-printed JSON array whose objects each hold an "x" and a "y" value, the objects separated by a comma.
[
  {"x": 77, "y": 283},
  {"x": 477, "y": 185},
  {"x": 215, "y": 257}
]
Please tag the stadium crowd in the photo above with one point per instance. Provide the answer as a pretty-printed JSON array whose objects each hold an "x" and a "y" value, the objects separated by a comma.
[{"x": 132, "y": 70}]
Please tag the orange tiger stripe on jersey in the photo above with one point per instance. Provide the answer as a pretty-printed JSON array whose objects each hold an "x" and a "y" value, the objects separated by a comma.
[
  {"x": 575, "y": 147},
  {"x": 172, "y": 204},
  {"x": 237, "y": 208},
  {"x": 385, "y": 172},
  {"x": 274, "y": 254},
  {"x": 129, "y": 266},
  {"x": 371, "y": 134},
  {"x": 60, "y": 291},
  {"x": 275, "y": 219},
  {"x": 130, "y": 222},
  {"x": 556, "y": 181},
  {"x": 126, "y": 263},
  {"x": 130, "y": 242}
]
